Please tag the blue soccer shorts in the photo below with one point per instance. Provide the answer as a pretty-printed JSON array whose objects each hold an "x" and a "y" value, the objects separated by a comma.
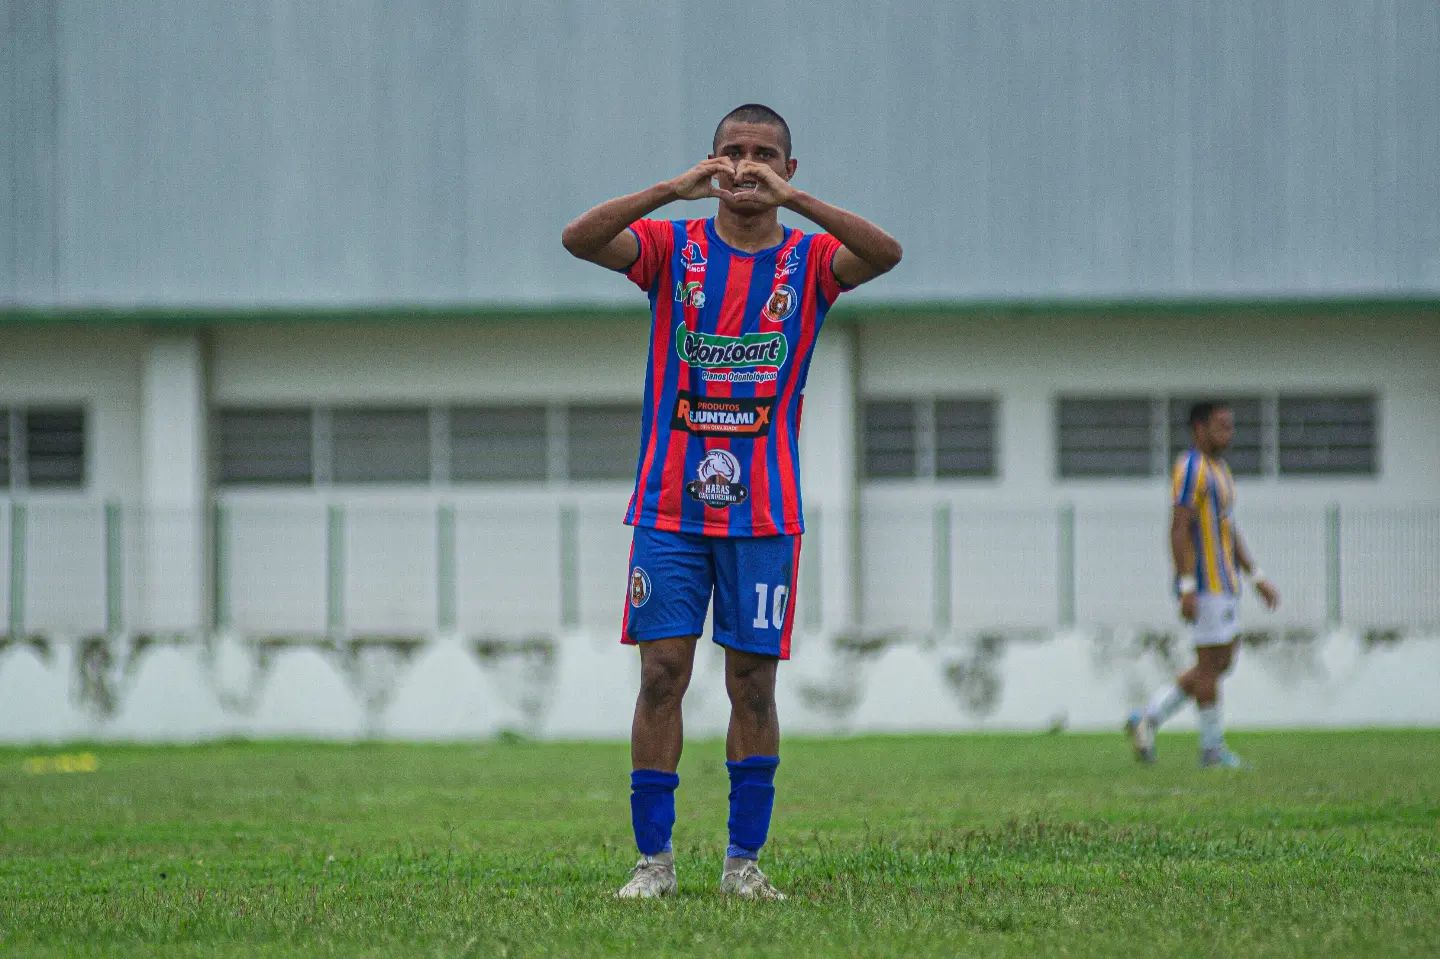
[{"x": 673, "y": 575}]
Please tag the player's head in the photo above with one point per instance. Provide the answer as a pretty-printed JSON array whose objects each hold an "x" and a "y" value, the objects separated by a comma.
[
  {"x": 756, "y": 114},
  {"x": 1212, "y": 424},
  {"x": 753, "y": 131}
]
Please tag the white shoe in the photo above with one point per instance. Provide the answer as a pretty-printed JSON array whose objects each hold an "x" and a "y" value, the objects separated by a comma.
[
  {"x": 1221, "y": 758},
  {"x": 650, "y": 879},
  {"x": 748, "y": 882},
  {"x": 1142, "y": 736}
]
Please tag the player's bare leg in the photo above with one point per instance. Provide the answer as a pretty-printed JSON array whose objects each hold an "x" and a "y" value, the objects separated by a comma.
[
  {"x": 1202, "y": 683},
  {"x": 752, "y": 747},
  {"x": 754, "y": 723},
  {"x": 657, "y": 732},
  {"x": 656, "y": 737}
]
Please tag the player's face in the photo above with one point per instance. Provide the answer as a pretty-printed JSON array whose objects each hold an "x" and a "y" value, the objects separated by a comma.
[
  {"x": 751, "y": 141},
  {"x": 1216, "y": 433}
]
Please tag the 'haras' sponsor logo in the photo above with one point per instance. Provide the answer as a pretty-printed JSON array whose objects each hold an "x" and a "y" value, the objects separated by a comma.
[{"x": 719, "y": 483}]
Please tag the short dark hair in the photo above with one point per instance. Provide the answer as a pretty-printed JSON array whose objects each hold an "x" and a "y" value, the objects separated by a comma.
[
  {"x": 755, "y": 113},
  {"x": 1201, "y": 412}
]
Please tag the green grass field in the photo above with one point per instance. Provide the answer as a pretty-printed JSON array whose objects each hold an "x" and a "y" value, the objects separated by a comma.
[{"x": 1008, "y": 845}]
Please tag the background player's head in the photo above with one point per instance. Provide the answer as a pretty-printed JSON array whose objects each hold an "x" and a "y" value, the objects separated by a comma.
[
  {"x": 753, "y": 131},
  {"x": 1212, "y": 424}
]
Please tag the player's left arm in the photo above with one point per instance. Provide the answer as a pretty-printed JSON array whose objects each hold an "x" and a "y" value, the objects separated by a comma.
[
  {"x": 1268, "y": 593},
  {"x": 866, "y": 251}
]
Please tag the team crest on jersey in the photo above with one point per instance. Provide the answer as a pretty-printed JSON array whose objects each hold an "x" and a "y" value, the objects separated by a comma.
[
  {"x": 719, "y": 483},
  {"x": 639, "y": 587},
  {"x": 690, "y": 294},
  {"x": 787, "y": 263},
  {"x": 693, "y": 259},
  {"x": 781, "y": 305}
]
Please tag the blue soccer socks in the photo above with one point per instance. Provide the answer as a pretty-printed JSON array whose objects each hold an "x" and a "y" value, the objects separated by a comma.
[
  {"x": 752, "y": 798},
  {"x": 652, "y": 809}
]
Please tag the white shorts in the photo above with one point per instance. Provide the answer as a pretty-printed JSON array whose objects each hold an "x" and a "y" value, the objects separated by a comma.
[{"x": 1217, "y": 619}]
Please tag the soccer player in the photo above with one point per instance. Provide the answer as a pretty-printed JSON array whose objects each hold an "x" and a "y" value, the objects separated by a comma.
[
  {"x": 737, "y": 301},
  {"x": 1209, "y": 556}
]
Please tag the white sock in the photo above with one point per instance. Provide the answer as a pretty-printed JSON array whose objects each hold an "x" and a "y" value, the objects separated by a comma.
[
  {"x": 1165, "y": 703},
  {"x": 1212, "y": 734}
]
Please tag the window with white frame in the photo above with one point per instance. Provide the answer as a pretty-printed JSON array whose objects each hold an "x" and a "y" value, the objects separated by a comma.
[
  {"x": 42, "y": 447},
  {"x": 1285, "y": 435},
  {"x": 380, "y": 445},
  {"x": 928, "y": 437},
  {"x": 1105, "y": 436},
  {"x": 964, "y": 438},
  {"x": 4, "y": 448},
  {"x": 265, "y": 446},
  {"x": 1326, "y": 435},
  {"x": 501, "y": 443},
  {"x": 498, "y": 443},
  {"x": 601, "y": 440}
]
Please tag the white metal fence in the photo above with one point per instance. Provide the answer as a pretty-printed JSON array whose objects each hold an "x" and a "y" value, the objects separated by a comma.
[{"x": 262, "y": 568}]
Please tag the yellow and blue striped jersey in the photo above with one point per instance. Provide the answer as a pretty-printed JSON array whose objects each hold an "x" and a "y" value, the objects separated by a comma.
[{"x": 1204, "y": 484}]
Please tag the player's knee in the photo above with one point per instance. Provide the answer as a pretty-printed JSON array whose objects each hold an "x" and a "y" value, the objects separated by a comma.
[
  {"x": 1207, "y": 688},
  {"x": 753, "y": 692},
  {"x": 663, "y": 680}
]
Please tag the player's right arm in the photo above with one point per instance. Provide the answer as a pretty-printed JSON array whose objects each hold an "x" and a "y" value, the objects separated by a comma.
[
  {"x": 1186, "y": 487},
  {"x": 1182, "y": 552},
  {"x": 601, "y": 234}
]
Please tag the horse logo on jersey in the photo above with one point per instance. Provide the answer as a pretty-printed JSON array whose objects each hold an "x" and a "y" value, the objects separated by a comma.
[
  {"x": 692, "y": 257},
  {"x": 719, "y": 483},
  {"x": 787, "y": 263},
  {"x": 639, "y": 587},
  {"x": 690, "y": 294},
  {"x": 781, "y": 305}
]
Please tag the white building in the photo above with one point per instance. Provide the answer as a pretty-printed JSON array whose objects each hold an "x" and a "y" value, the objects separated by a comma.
[{"x": 308, "y": 424}]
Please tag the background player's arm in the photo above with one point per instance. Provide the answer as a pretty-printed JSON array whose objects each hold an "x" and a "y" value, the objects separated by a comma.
[
  {"x": 866, "y": 252},
  {"x": 600, "y": 234},
  {"x": 1182, "y": 551},
  {"x": 1268, "y": 593}
]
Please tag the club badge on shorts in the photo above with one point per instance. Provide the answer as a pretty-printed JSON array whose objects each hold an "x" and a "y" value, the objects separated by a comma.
[{"x": 639, "y": 587}]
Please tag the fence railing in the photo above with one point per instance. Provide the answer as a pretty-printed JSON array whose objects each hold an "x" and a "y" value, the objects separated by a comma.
[{"x": 326, "y": 569}]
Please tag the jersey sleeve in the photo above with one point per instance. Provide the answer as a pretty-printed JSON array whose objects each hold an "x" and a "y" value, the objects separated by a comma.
[
  {"x": 656, "y": 238},
  {"x": 1187, "y": 480},
  {"x": 822, "y": 253}
]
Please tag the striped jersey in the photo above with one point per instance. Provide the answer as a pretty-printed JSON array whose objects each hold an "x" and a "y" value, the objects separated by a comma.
[
  {"x": 1204, "y": 484},
  {"x": 731, "y": 338}
]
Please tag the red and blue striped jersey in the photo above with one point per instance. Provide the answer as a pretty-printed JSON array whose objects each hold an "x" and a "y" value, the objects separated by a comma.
[{"x": 731, "y": 338}]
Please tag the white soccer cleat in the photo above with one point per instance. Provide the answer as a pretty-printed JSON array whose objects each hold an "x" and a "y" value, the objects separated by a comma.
[
  {"x": 748, "y": 882},
  {"x": 650, "y": 879},
  {"x": 1221, "y": 758},
  {"x": 1142, "y": 736}
]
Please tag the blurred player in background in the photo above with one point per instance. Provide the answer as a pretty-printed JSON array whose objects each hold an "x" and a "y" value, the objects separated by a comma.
[
  {"x": 1209, "y": 556},
  {"x": 737, "y": 301}
]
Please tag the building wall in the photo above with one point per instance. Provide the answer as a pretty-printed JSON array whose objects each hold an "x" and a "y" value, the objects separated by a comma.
[
  {"x": 947, "y": 606},
  {"x": 198, "y": 152},
  {"x": 1027, "y": 361}
]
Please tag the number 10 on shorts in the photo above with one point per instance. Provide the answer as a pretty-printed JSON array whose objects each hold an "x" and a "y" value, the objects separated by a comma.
[{"x": 775, "y": 609}]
